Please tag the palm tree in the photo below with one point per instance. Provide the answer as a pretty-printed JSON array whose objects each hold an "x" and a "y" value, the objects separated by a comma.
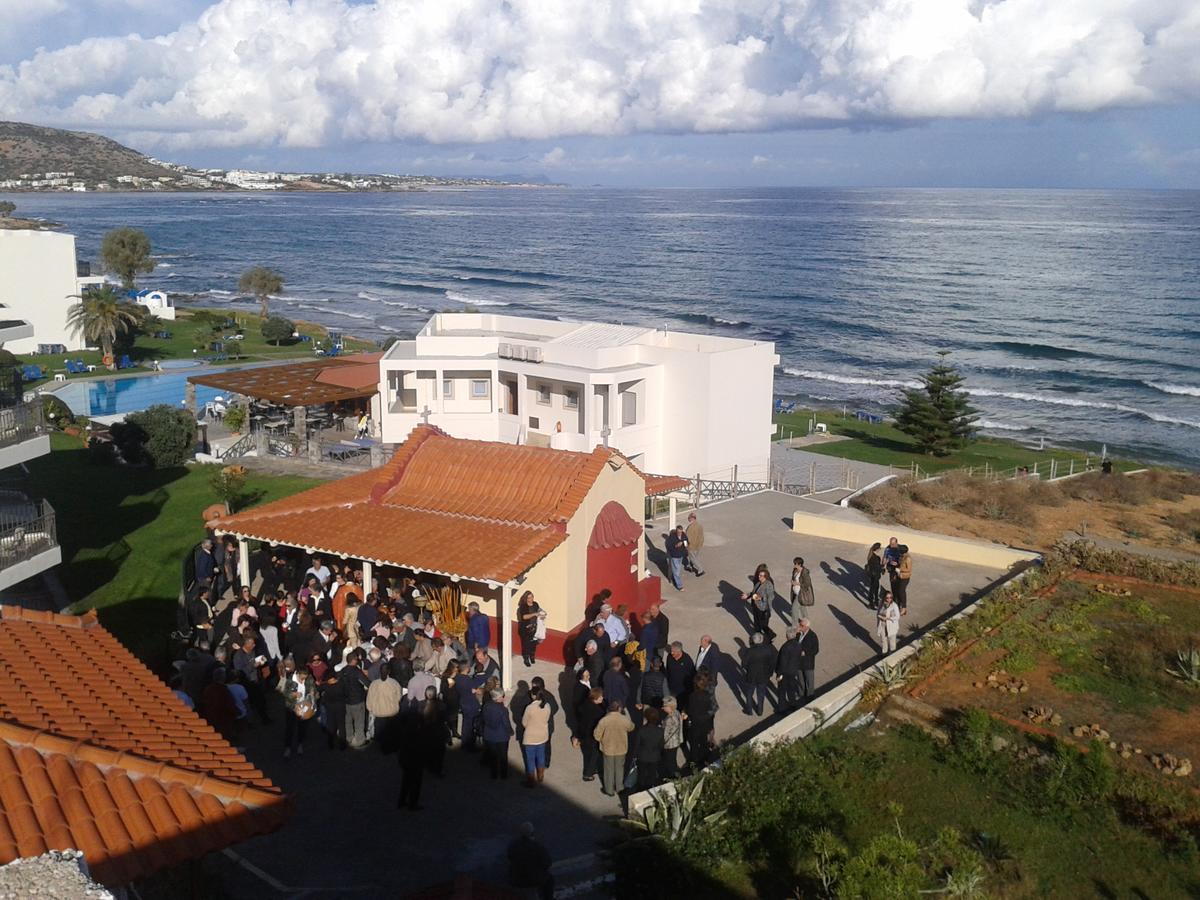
[
  {"x": 100, "y": 317},
  {"x": 261, "y": 282}
]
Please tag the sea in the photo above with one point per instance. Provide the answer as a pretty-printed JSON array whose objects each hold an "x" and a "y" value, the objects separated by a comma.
[{"x": 1074, "y": 316}]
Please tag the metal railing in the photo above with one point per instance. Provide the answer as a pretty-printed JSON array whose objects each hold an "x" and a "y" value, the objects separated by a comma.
[
  {"x": 20, "y": 422},
  {"x": 24, "y": 533}
]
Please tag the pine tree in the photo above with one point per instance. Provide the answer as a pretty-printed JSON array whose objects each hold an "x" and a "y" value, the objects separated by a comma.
[{"x": 938, "y": 414}]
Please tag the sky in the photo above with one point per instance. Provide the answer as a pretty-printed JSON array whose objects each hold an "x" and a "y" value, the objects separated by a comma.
[{"x": 672, "y": 93}]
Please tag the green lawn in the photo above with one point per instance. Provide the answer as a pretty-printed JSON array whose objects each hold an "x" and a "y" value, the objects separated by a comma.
[
  {"x": 887, "y": 445},
  {"x": 191, "y": 332},
  {"x": 125, "y": 532}
]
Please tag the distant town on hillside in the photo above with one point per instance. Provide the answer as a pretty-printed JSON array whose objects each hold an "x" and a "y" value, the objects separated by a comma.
[{"x": 36, "y": 158}]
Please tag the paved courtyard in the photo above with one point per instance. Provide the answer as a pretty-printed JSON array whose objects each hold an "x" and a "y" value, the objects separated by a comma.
[{"x": 343, "y": 838}]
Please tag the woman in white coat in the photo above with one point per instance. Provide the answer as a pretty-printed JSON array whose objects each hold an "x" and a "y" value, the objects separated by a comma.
[{"x": 888, "y": 623}]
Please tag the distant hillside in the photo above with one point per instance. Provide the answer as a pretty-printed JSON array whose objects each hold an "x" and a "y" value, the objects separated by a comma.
[{"x": 30, "y": 149}]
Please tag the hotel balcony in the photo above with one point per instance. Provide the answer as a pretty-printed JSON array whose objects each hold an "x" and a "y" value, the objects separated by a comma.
[
  {"x": 28, "y": 538},
  {"x": 23, "y": 433}
]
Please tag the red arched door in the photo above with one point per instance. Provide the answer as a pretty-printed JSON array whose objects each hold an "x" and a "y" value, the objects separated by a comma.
[{"x": 612, "y": 560}]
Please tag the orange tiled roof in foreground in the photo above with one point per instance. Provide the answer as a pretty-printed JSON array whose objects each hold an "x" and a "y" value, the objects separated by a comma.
[
  {"x": 477, "y": 509},
  {"x": 98, "y": 755}
]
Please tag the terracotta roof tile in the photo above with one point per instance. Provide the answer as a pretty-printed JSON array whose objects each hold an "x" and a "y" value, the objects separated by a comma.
[
  {"x": 99, "y": 755},
  {"x": 477, "y": 509}
]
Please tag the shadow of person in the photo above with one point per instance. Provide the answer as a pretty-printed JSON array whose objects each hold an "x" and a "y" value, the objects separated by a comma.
[
  {"x": 731, "y": 601},
  {"x": 853, "y": 628},
  {"x": 568, "y": 678},
  {"x": 657, "y": 557},
  {"x": 849, "y": 577}
]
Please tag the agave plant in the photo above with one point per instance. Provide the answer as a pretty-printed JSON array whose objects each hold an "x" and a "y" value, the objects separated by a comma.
[
  {"x": 673, "y": 814},
  {"x": 885, "y": 678},
  {"x": 1187, "y": 666}
]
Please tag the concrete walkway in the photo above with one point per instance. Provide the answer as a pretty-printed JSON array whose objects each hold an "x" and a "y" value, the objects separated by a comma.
[{"x": 799, "y": 466}]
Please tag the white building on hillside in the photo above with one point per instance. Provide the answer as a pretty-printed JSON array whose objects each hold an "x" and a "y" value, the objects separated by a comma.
[
  {"x": 157, "y": 302},
  {"x": 39, "y": 283},
  {"x": 671, "y": 402}
]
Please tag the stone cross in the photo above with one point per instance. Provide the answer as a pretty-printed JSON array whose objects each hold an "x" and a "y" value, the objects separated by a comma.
[{"x": 425, "y": 414}]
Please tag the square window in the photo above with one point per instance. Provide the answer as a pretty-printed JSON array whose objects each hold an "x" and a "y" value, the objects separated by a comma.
[
  {"x": 480, "y": 388},
  {"x": 571, "y": 399},
  {"x": 543, "y": 394},
  {"x": 447, "y": 388}
]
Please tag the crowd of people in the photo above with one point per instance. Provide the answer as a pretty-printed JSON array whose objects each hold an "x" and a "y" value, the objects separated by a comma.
[{"x": 370, "y": 666}]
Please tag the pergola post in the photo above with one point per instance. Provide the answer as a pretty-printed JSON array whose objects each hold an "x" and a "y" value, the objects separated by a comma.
[
  {"x": 368, "y": 577},
  {"x": 189, "y": 398},
  {"x": 244, "y": 562},
  {"x": 672, "y": 504},
  {"x": 300, "y": 422},
  {"x": 508, "y": 593}
]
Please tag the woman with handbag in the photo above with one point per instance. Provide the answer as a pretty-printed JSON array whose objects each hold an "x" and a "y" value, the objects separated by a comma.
[
  {"x": 802, "y": 590},
  {"x": 529, "y": 618}
]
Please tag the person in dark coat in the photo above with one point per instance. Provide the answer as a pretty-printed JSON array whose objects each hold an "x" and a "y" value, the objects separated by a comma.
[
  {"x": 587, "y": 717},
  {"x": 663, "y": 624},
  {"x": 681, "y": 671},
  {"x": 434, "y": 733},
  {"x": 648, "y": 750},
  {"x": 616, "y": 684},
  {"x": 468, "y": 704},
  {"x": 479, "y": 632},
  {"x": 699, "y": 713},
  {"x": 594, "y": 661},
  {"x": 810, "y": 646},
  {"x": 206, "y": 562},
  {"x": 412, "y": 757},
  {"x": 529, "y": 864},
  {"x": 758, "y": 662},
  {"x": 648, "y": 636},
  {"x": 787, "y": 667},
  {"x": 653, "y": 686},
  {"x": 497, "y": 729}
]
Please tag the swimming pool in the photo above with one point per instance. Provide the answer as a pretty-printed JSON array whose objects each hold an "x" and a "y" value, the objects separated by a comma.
[{"x": 117, "y": 396}]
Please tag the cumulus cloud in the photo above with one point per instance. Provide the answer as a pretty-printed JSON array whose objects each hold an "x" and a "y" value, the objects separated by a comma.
[{"x": 312, "y": 72}]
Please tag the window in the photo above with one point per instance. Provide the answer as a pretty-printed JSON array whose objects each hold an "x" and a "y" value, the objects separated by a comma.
[
  {"x": 628, "y": 408},
  {"x": 447, "y": 388},
  {"x": 543, "y": 394},
  {"x": 571, "y": 399},
  {"x": 481, "y": 388}
]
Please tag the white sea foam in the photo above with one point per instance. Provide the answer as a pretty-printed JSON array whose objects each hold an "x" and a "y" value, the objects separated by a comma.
[
  {"x": 289, "y": 299},
  {"x": 721, "y": 321},
  {"x": 219, "y": 293},
  {"x": 850, "y": 379},
  {"x": 459, "y": 297},
  {"x": 1086, "y": 404},
  {"x": 993, "y": 425},
  {"x": 1186, "y": 390}
]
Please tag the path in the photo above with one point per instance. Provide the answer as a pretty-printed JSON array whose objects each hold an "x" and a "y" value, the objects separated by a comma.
[{"x": 797, "y": 466}]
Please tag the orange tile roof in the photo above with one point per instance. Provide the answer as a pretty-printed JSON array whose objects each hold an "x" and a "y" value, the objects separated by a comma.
[
  {"x": 97, "y": 754},
  {"x": 477, "y": 509},
  {"x": 299, "y": 383}
]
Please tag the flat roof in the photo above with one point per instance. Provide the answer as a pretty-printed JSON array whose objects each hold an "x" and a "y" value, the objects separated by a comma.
[{"x": 301, "y": 383}]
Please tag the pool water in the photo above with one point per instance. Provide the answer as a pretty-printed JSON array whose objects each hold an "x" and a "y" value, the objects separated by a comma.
[{"x": 116, "y": 396}]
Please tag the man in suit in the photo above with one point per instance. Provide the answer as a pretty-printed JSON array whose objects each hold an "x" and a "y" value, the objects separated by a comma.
[
  {"x": 708, "y": 656},
  {"x": 759, "y": 664},
  {"x": 663, "y": 624},
  {"x": 809, "y": 648},
  {"x": 787, "y": 667}
]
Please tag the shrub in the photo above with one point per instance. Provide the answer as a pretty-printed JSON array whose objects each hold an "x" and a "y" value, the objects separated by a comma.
[
  {"x": 55, "y": 413},
  {"x": 1186, "y": 523},
  {"x": 888, "y": 503},
  {"x": 235, "y": 418},
  {"x": 162, "y": 436},
  {"x": 277, "y": 329}
]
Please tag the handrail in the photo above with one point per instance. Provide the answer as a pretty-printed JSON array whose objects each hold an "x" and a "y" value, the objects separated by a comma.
[
  {"x": 23, "y": 538},
  {"x": 21, "y": 422}
]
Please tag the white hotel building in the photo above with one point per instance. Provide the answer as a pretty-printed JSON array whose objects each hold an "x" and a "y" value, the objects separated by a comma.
[
  {"x": 672, "y": 402},
  {"x": 40, "y": 281}
]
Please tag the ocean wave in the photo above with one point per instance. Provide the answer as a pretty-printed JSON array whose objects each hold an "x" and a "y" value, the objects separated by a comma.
[
  {"x": 704, "y": 319},
  {"x": 287, "y": 298},
  {"x": 217, "y": 292},
  {"x": 850, "y": 379},
  {"x": 993, "y": 425},
  {"x": 1186, "y": 390},
  {"x": 1043, "y": 351},
  {"x": 1086, "y": 404},
  {"x": 458, "y": 297},
  {"x": 416, "y": 286},
  {"x": 498, "y": 282}
]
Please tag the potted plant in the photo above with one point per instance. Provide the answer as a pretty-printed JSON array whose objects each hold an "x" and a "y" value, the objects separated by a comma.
[{"x": 235, "y": 419}]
